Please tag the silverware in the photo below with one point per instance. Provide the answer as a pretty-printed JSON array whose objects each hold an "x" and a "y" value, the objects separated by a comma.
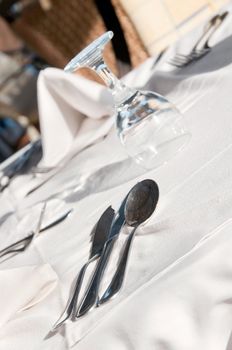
[
  {"x": 159, "y": 56},
  {"x": 201, "y": 48},
  {"x": 100, "y": 235},
  {"x": 24, "y": 243},
  {"x": 140, "y": 205},
  {"x": 55, "y": 222},
  {"x": 91, "y": 295}
]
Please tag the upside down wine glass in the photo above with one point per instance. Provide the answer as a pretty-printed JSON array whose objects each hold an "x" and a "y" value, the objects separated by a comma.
[{"x": 149, "y": 126}]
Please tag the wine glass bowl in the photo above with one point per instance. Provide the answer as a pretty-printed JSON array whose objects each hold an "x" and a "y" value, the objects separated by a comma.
[{"x": 149, "y": 126}]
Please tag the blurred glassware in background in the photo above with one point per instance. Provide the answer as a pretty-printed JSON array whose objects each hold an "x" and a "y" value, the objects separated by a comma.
[{"x": 149, "y": 126}]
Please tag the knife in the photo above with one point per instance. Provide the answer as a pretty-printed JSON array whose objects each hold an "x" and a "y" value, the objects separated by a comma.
[
  {"x": 91, "y": 296},
  {"x": 100, "y": 234}
]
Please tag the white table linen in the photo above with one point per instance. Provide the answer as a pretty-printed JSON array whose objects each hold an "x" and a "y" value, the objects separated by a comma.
[
  {"x": 21, "y": 289},
  {"x": 178, "y": 288},
  {"x": 38, "y": 282},
  {"x": 164, "y": 314}
]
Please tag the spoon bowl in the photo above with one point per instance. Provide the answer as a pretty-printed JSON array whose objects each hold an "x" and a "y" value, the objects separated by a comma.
[{"x": 141, "y": 202}]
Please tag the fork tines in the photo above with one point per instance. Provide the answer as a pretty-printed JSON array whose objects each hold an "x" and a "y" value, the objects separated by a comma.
[{"x": 181, "y": 60}]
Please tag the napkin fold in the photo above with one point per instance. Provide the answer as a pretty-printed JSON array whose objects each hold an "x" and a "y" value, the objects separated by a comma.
[
  {"x": 22, "y": 288},
  {"x": 73, "y": 111}
]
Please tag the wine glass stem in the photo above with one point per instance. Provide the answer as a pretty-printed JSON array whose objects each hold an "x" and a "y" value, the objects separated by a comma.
[{"x": 119, "y": 91}]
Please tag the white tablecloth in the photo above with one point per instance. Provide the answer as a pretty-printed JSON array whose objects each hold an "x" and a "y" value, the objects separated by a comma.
[{"x": 178, "y": 289}]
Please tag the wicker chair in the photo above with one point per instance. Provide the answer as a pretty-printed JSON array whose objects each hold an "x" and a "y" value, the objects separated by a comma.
[{"x": 58, "y": 34}]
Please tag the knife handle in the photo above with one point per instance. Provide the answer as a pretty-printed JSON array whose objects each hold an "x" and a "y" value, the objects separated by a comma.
[
  {"x": 90, "y": 298},
  {"x": 70, "y": 308},
  {"x": 118, "y": 278}
]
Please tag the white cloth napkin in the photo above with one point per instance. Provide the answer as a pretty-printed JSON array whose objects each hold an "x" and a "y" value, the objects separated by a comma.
[
  {"x": 73, "y": 113},
  {"x": 186, "y": 306},
  {"x": 157, "y": 246},
  {"x": 22, "y": 288}
]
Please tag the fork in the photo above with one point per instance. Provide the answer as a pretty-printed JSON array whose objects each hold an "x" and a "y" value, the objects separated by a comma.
[
  {"x": 23, "y": 244},
  {"x": 201, "y": 48}
]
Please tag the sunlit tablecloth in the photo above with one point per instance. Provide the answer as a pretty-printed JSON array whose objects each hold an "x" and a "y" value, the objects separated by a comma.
[{"x": 178, "y": 289}]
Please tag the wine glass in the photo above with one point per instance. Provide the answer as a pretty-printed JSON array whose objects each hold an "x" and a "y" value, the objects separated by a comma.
[{"x": 149, "y": 126}]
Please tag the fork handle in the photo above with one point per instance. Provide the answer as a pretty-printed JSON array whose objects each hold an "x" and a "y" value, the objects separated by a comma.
[
  {"x": 207, "y": 33},
  {"x": 13, "y": 247},
  {"x": 212, "y": 26},
  {"x": 215, "y": 27}
]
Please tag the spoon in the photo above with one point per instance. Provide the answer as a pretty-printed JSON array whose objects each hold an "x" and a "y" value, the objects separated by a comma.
[{"x": 140, "y": 205}]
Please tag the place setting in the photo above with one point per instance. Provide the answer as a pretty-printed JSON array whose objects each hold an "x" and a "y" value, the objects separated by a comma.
[
  {"x": 180, "y": 60},
  {"x": 132, "y": 132},
  {"x": 115, "y": 221},
  {"x": 181, "y": 57},
  {"x": 202, "y": 46}
]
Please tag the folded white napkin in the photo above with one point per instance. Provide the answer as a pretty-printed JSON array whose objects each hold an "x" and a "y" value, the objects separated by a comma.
[
  {"x": 73, "y": 113},
  {"x": 157, "y": 246},
  {"x": 186, "y": 306},
  {"x": 22, "y": 288}
]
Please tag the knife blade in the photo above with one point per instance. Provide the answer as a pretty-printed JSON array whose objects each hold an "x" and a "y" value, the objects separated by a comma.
[
  {"x": 100, "y": 234},
  {"x": 90, "y": 298}
]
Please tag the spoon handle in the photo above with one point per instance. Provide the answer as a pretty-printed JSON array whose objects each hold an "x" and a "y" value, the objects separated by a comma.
[{"x": 118, "y": 278}]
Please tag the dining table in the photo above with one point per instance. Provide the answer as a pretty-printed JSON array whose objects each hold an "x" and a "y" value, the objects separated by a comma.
[{"x": 177, "y": 292}]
